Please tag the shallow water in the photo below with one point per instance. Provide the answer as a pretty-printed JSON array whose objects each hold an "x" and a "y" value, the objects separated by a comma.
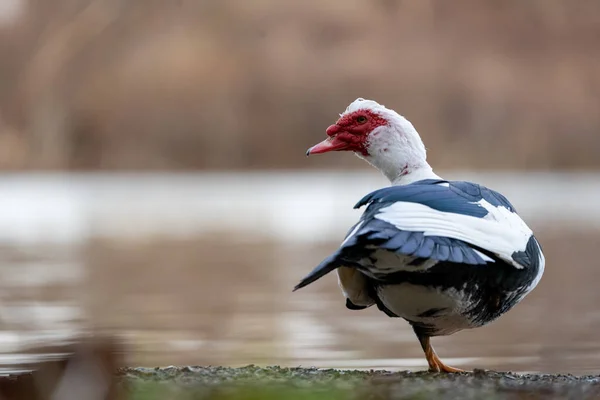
[{"x": 199, "y": 270}]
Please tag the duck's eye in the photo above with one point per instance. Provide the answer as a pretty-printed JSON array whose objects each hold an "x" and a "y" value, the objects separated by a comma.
[{"x": 361, "y": 119}]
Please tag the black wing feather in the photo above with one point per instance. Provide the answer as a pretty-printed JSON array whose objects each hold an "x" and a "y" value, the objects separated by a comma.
[{"x": 454, "y": 197}]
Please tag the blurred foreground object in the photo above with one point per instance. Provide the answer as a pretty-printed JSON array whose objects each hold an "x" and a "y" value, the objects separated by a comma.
[{"x": 87, "y": 373}]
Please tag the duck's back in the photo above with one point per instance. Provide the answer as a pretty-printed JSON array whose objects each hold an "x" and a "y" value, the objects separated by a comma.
[{"x": 444, "y": 255}]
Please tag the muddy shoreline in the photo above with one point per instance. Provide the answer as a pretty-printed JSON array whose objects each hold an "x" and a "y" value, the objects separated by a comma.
[{"x": 216, "y": 382}]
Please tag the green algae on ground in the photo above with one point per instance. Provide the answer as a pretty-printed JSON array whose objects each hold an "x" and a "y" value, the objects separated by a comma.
[
  {"x": 254, "y": 383},
  {"x": 156, "y": 391}
]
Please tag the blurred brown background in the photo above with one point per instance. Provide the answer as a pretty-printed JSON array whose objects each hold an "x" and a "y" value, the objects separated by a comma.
[
  {"x": 216, "y": 101},
  {"x": 232, "y": 84}
]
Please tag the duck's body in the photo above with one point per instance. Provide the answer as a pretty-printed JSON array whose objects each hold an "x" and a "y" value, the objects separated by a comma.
[
  {"x": 444, "y": 255},
  {"x": 438, "y": 280}
]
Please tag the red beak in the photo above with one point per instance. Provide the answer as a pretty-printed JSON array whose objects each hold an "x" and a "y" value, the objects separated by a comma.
[
  {"x": 332, "y": 143},
  {"x": 329, "y": 144}
]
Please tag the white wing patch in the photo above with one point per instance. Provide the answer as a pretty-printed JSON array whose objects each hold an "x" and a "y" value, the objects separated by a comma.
[
  {"x": 483, "y": 256},
  {"x": 542, "y": 264},
  {"x": 352, "y": 233},
  {"x": 501, "y": 231}
]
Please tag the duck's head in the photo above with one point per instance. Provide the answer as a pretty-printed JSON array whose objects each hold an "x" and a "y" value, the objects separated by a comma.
[{"x": 381, "y": 136}]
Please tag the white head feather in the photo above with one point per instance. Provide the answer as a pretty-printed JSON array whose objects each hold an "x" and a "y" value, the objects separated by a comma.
[{"x": 395, "y": 149}]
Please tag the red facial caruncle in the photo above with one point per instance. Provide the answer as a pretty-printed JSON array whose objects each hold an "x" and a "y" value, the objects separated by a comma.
[{"x": 350, "y": 133}]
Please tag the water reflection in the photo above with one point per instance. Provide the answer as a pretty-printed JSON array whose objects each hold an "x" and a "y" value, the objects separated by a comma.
[{"x": 200, "y": 292}]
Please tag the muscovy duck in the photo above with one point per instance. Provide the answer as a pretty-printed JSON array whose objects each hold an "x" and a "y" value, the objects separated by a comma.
[{"x": 443, "y": 255}]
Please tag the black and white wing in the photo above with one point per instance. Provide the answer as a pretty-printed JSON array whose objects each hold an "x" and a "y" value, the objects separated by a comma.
[{"x": 413, "y": 227}]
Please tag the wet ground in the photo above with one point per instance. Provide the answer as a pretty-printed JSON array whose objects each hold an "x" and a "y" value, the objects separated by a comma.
[
  {"x": 298, "y": 383},
  {"x": 116, "y": 258}
]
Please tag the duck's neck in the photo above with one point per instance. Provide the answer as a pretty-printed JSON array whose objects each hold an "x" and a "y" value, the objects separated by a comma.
[
  {"x": 402, "y": 165},
  {"x": 403, "y": 173},
  {"x": 398, "y": 152},
  {"x": 413, "y": 175}
]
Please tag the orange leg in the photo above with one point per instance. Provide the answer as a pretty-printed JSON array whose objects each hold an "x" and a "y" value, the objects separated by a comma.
[{"x": 435, "y": 364}]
